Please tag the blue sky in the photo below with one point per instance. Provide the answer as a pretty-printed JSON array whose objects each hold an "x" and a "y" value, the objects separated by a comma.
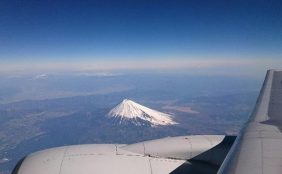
[{"x": 60, "y": 32}]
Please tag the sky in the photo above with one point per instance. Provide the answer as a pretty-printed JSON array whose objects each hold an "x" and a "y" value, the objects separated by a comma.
[{"x": 131, "y": 34}]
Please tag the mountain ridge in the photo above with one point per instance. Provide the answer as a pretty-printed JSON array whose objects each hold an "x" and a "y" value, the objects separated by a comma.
[{"x": 131, "y": 111}]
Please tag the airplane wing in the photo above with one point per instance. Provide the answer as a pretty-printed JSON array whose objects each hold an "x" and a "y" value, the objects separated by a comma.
[{"x": 256, "y": 150}]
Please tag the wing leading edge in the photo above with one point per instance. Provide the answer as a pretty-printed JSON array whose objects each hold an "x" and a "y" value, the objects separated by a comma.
[
  {"x": 258, "y": 148},
  {"x": 150, "y": 157}
]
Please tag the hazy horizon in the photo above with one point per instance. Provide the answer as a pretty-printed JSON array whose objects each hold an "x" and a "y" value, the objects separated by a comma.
[{"x": 207, "y": 37}]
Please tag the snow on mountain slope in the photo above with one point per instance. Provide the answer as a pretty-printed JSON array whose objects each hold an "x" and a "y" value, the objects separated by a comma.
[{"x": 129, "y": 110}]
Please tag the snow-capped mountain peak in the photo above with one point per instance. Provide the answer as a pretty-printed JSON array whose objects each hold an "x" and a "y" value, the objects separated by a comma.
[{"x": 129, "y": 110}]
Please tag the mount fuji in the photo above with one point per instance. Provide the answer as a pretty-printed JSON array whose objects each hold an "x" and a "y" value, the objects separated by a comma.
[{"x": 130, "y": 111}]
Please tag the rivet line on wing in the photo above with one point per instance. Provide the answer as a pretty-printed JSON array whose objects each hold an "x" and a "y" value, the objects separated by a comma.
[
  {"x": 61, "y": 165},
  {"x": 191, "y": 146}
]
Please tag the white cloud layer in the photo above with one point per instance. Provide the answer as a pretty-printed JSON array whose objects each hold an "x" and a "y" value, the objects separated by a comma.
[{"x": 226, "y": 66}]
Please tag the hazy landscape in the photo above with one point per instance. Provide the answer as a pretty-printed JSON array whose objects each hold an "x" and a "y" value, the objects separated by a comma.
[{"x": 48, "y": 110}]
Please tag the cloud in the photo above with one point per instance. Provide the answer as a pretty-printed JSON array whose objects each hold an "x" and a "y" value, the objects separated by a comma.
[
  {"x": 99, "y": 74},
  {"x": 40, "y": 76},
  {"x": 204, "y": 65}
]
